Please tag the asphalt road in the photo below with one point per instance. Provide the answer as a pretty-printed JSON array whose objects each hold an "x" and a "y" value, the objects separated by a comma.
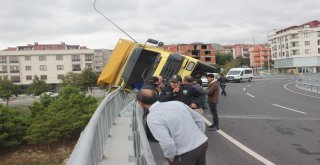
[
  {"x": 267, "y": 117},
  {"x": 274, "y": 125}
]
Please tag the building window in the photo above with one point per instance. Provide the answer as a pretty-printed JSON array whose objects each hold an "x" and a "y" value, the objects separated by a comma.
[
  {"x": 14, "y": 59},
  {"x": 306, "y": 35},
  {"x": 75, "y": 47},
  {"x": 3, "y": 69},
  {"x": 60, "y": 76},
  {"x": 14, "y": 69},
  {"x": 3, "y": 59},
  {"x": 88, "y": 65},
  {"x": 43, "y": 67},
  {"x": 75, "y": 57},
  {"x": 203, "y": 46},
  {"x": 306, "y": 43},
  {"x": 208, "y": 59},
  {"x": 5, "y": 77},
  {"x": 42, "y": 58},
  {"x": 318, "y": 50},
  {"x": 29, "y": 77},
  {"x": 207, "y": 52},
  {"x": 27, "y": 58},
  {"x": 15, "y": 78},
  {"x": 307, "y": 51},
  {"x": 76, "y": 67},
  {"x": 318, "y": 42},
  {"x": 59, "y": 57},
  {"x": 319, "y": 34},
  {"x": 43, "y": 77},
  {"x": 28, "y": 67},
  {"x": 88, "y": 57},
  {"x": 59, "y": 67}
]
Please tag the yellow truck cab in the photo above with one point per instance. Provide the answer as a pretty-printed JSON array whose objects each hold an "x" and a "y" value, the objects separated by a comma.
[{"x": 131, "y": 64}]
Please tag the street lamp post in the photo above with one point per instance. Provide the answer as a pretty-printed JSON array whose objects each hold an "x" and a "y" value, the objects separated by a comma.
[{"x": 269, "y": 64}]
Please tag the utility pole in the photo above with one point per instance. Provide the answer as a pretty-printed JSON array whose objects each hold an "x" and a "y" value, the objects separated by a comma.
[{"x": 273, "y": 30}]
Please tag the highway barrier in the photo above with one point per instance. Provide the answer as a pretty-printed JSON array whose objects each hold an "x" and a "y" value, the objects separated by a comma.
[{"x": 309, "y": 82}]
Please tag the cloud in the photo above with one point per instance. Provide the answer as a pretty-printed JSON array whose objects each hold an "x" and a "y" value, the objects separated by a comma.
[{"x": 179, "y": 21}]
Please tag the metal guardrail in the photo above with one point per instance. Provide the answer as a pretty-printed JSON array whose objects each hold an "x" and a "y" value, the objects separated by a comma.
[
  {"x": 91, "y": 144},
  {"x": 309, "y": 82},
  {"x": 142, "y": 150}
]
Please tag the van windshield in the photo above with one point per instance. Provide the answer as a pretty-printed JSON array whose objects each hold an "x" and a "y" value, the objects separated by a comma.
[{"x": 234, "y": 72}]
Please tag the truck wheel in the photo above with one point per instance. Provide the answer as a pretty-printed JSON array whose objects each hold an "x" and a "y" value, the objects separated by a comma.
[
  {"x": 250, "y": 79},
  {"x": 240, "y": 80}
]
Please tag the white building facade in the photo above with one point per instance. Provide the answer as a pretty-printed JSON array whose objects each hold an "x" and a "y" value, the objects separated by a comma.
[
  {"x": 297, "y": 47},
  {"x": 49, "y": 62}
]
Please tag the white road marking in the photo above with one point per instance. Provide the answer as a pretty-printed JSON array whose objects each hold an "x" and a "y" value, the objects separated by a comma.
[
  {"x": 250, "y": 95},
  {"x": 285, "y": 87},
  {"x": 241, "y": 146},
  {"x": 290, "y": 109}
]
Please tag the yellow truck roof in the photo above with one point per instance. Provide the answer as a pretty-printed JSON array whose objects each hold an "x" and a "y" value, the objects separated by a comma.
[{"x": 116, "y": 61}]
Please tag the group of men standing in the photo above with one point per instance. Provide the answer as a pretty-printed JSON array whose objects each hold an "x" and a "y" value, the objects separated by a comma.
[{"x": 172, "y": 119}]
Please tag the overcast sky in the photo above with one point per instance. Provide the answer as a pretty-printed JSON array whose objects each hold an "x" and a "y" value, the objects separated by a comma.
[{"x": 171, "y": 21}]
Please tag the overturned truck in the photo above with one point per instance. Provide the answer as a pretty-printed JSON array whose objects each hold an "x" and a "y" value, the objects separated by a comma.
[{"x": 132, "y": 63}]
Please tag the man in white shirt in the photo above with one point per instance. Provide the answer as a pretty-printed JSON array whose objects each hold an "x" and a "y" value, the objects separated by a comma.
[{"x": 179, "y": 129}]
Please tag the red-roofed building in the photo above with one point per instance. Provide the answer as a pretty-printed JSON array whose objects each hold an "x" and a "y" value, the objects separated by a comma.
[
  {"x": 50, "y": 62},
  {"x": 297, "y": 48}
]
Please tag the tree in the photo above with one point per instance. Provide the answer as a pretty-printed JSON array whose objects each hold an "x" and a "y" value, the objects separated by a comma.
[
  {"x": 38, "y": 86},
  {"x": 13, "y": 126},
  {"x": 89, "y": 78},
  {"x": 7, "y": 89},
  {"x": 223, "y": 58},
  {"x": 73, "y": 79},
  {"x": 65, "y": 115},
  {"x": 243, "y": 61}
]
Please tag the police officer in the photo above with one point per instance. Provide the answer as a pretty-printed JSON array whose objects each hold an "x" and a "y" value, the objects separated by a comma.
[{"x": 180, "y": 92}]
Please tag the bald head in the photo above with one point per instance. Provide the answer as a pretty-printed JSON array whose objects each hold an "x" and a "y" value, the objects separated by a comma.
[{"x": 147, "y": 96}]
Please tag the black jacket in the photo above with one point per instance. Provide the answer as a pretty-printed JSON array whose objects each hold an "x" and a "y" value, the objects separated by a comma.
[
  {"x": 223, "y": 80},
  {"x": 187, "y": 95}
]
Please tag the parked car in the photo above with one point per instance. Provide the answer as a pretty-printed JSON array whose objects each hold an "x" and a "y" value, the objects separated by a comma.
[
  {"x": 205, "y": 80},
  {"x": 49, "y": 94}
]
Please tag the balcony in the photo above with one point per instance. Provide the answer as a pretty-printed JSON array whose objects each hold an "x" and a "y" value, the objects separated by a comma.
[{"x": 14, "y": 61}]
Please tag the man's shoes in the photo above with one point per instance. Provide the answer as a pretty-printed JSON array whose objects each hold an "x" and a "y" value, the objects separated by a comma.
[{"x": 212, "y": 128}]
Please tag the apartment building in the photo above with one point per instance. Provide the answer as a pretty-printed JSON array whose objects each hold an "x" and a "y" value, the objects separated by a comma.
[
  {"x": 297, "y": 47},
  {"x": 259, "y": 55},
  {"x": 101, "y": 56},
  {"x": 237, "y": 50},
  {"x": 203, "y": 52},
  {"x": 48, "y": 61}
]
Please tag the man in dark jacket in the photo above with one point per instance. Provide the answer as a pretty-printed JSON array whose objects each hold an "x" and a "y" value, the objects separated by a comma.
[
  {"x": 223, "y": 82},
  {"x": 213, "y": 94},
  {"x": 180, "y": 92}
]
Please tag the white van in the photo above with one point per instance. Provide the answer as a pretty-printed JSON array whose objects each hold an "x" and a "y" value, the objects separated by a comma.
[{"x": 240, "y": 74}]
